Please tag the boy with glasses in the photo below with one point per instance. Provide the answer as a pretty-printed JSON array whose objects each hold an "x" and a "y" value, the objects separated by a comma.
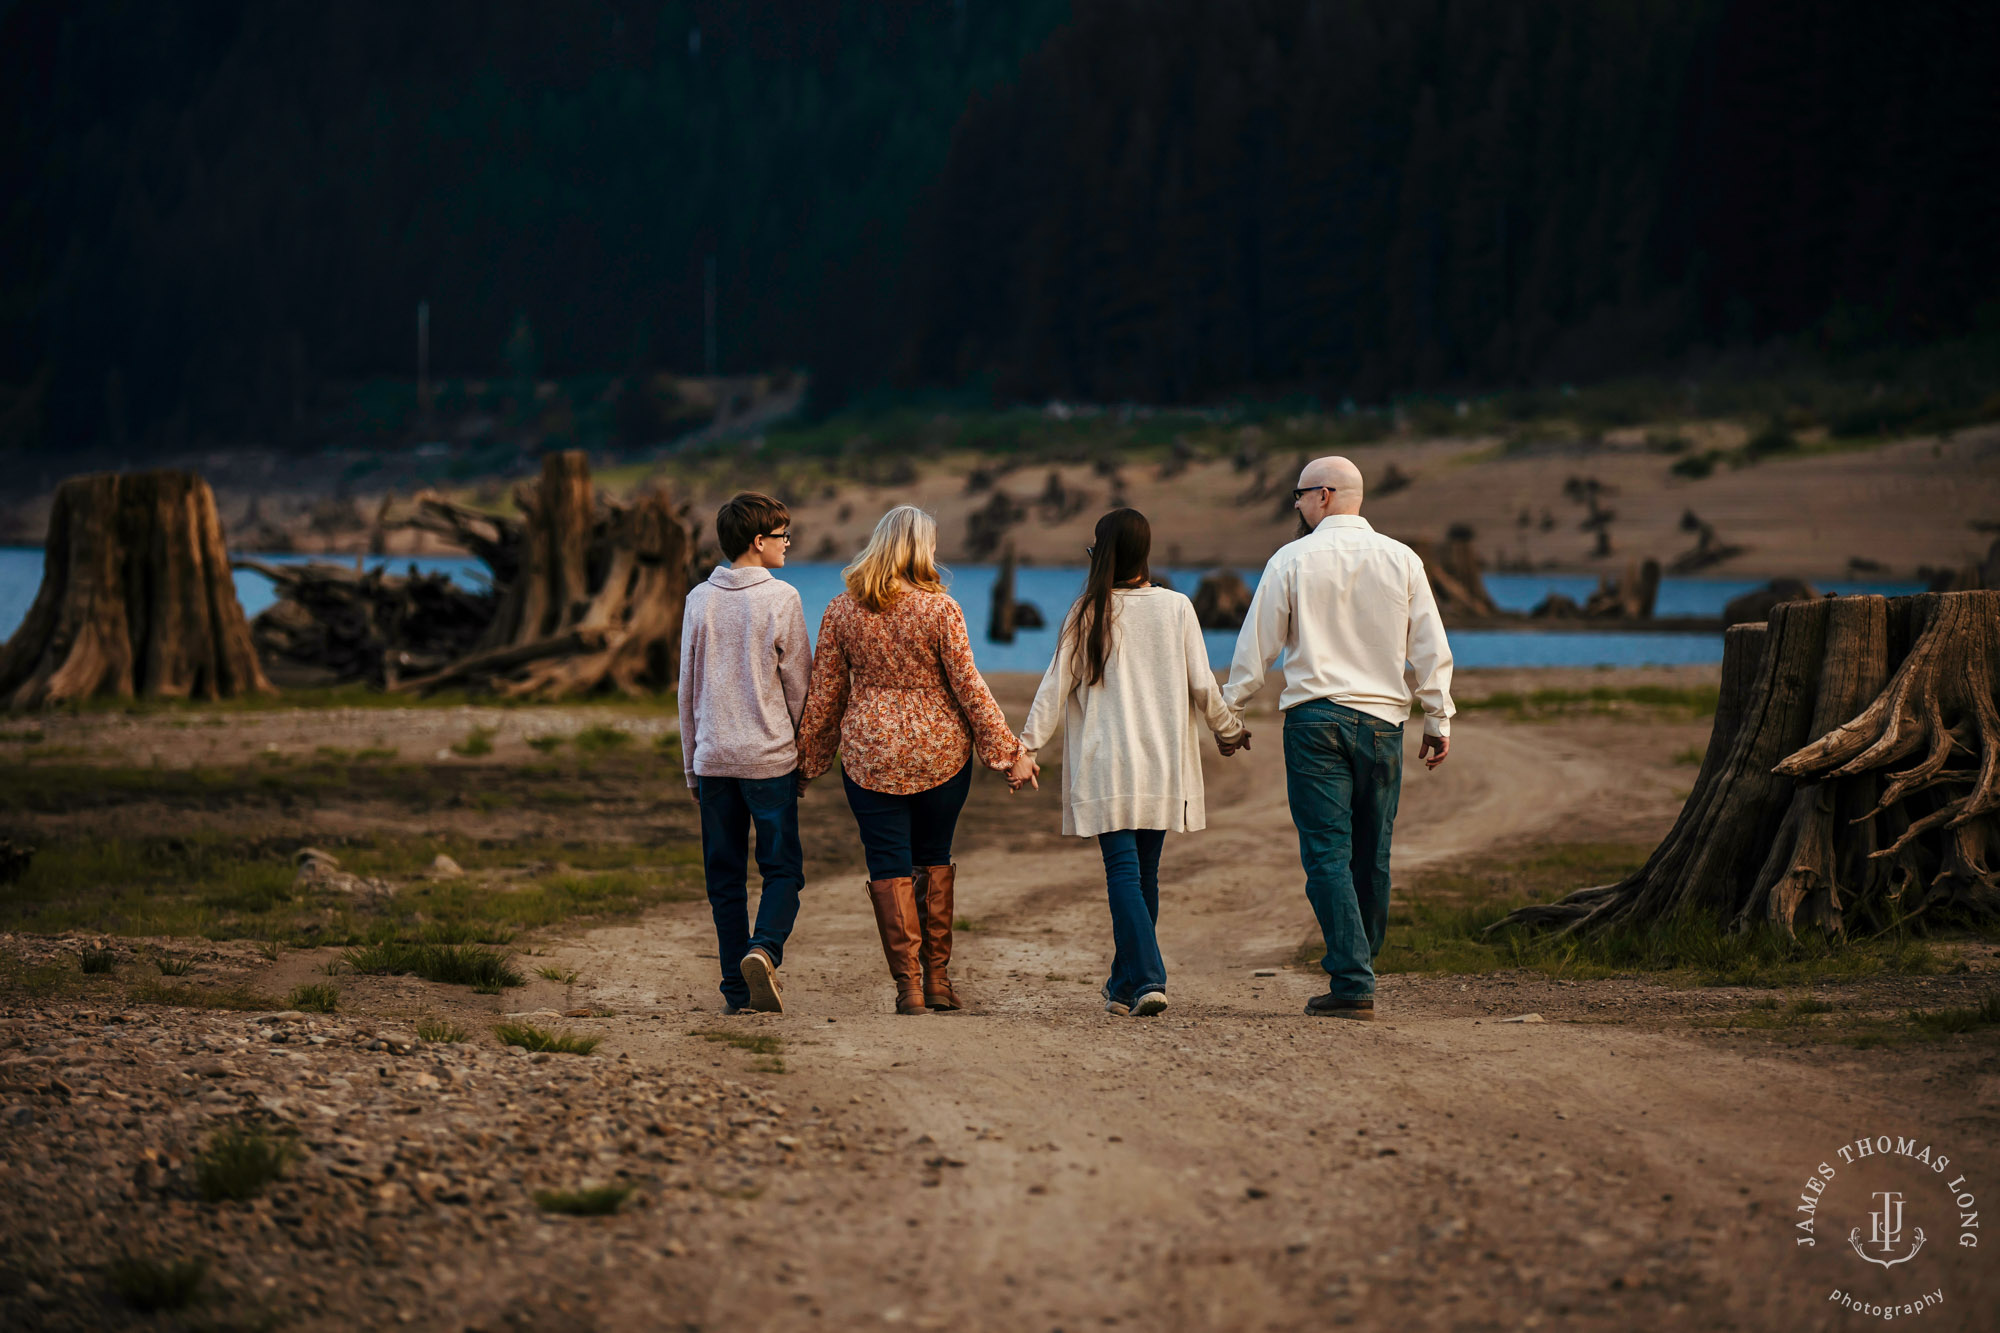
[{"x": 745, "y": 662}]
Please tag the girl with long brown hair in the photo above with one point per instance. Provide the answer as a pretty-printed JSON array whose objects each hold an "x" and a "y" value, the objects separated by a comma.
[
  {"x": 1129, "y": 684},
  {"x": 895, "y": 692}
]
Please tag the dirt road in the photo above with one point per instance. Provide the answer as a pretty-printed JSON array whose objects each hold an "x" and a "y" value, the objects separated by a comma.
[{"x": 1234, "y": 1164}]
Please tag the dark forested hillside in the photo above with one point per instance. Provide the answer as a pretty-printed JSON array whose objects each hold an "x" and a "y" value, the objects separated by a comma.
[
  {"x": 213, "y": 205},
  {"x": 1186, "y": 198}
]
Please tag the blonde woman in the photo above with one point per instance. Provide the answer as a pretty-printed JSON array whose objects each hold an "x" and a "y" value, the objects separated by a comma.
[{"x": 895, "y": 692}]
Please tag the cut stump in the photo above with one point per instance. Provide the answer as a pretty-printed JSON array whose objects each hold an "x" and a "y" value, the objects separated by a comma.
[
  {"x": 136, "y": 599},
  {"x": 1801, "y": 814}
]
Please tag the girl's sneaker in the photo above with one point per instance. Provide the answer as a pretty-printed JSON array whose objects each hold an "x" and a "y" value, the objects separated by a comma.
[{"x": 1152, "y": 1002}]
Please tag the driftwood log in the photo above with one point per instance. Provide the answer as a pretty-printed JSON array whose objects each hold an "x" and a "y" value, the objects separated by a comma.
[
  {"x": 333, "y": 623},
  {"x": 136, "y": 599},
  {"x": 1852, "y": 778},
  {"x": 1458, "y": 580},
  {"x": 590, "y": 589}
]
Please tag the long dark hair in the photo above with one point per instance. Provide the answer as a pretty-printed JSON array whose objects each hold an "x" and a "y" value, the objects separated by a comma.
[{"x": 1124, "y": 540}]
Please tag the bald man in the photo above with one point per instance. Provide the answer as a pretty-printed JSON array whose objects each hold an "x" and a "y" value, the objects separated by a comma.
[{"x": 1352, "y": 614}]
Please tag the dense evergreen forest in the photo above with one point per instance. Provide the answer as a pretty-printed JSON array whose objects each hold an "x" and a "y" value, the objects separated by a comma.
[
  {"x": 1181, "y": 199},
  {"x": 215, "y": 208}
]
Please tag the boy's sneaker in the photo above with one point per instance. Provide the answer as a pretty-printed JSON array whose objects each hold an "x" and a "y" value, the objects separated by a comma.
[
  {"x": 761, "y": 976},
  {"x": 1152, "y": 1002},
  {"x": 1111, "y": 1006}
]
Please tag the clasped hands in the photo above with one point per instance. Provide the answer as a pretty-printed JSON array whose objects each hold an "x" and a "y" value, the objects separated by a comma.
[{"x": 1025, "y": 772}]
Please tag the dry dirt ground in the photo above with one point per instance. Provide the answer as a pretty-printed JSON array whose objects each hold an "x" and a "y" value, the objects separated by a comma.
[{"x": 1031, "y": 1163}]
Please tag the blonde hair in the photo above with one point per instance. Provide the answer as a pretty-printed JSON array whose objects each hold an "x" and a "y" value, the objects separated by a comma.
[{"x": 901, "y": 551}]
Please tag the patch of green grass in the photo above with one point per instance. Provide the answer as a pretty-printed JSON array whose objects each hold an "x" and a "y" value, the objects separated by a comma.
[
  {"x": 32, "y": 736},
  {"x": 531, "y": 1038},
  {"x": 239, "y": 997},
  {"x": 97, "y": 961},
  {"x": 598, "y": 738},
  {"x": 477, "y": 742},
  {"x": 546, "y": 744},
  {"x": 1950, "y": 1022},
  {"x": 52, "y": 980},
  {"x": 218, "y": 712},
  {"x": 769, "y": 1047},
  {"x": 1689, "y": 701},
  {"x": 240, "y": 1160},
  {"x": 668, "y": 747},
  {"x": 438, "y": 1030},
  {"x": 968, "y": 925},
  {"x": 600, "y": 1201},
  {"x": 563, "y": 976},
  {"x": 449, "y": 964},
  {"x": 1439, "y": 923},
  {"x": 317, "y": 998},
  {"x": 174, "y": 967},
  {"x": 223, "y": 887},
  {"x": 152, "y": 1285}
]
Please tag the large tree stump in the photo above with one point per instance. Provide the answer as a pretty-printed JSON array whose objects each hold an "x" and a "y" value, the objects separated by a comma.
[
  {"x": 597, "y": 597},
  {"x": 136, "y": 599},
  {"x": 1796, "y": 818}
]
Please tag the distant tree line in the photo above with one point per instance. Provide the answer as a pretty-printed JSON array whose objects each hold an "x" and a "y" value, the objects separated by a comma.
[
  {"x": 212, "y": 208},
  {"x": 1181, "y": 199}
]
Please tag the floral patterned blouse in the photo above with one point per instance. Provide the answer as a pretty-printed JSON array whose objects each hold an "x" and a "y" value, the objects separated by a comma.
[{"x": 897, "y": 695}]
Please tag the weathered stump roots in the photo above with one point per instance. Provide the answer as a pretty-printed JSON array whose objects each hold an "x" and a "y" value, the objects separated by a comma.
[
  {"x": 136, "y": 599},
  {"x": 1800, "y": 815}
]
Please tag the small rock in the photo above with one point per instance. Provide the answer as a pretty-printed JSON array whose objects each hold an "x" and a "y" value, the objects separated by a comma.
[
  {"x": 445, "y": 868},
  {"x": 282, "y": 1016},
  {"x": 20, "y": 1117},
  {"x": 1525, "y": 1018},
  {"x": 674, "y": 1249},
  {"x": 1265, "y": 972},
  {"x": 214, "y": 1069}
]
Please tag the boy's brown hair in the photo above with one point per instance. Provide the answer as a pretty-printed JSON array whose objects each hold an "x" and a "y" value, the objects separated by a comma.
[{"x": 745, "y": 518}]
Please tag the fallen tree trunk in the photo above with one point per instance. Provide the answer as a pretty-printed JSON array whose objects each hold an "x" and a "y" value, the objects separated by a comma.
[
  {"x": 136, "y": 599},
  {"x": 1790, "y": 821},
  {"x": 597, "y": 597},
  {"x": 332, "y": 623}
]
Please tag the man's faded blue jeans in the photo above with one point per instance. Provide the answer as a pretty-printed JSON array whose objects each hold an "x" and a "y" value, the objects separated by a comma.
[{"x": 1343, "y": 773}]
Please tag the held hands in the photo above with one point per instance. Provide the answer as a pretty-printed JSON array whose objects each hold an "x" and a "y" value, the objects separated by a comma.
[
  {"x": 1025, "y": 771},
  {"x": 1433, "y": 750},
  {"x": 1241, "y": 741}
]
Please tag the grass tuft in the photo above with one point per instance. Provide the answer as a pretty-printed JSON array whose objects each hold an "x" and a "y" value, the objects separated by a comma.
[
  {"x": 150, "y": 1286},
  {"x": 565, "y": 976},
  {"x": 438, "y": 1030},
  {"x": 598, "y": 738},
  {"x": 239, "y": 998},
  {"x": 1951, "y": 1022},
  {"x": 449, "y": 964},
  {"x": 174, "y": 967},
  {"x": 317, "y": 998},
  {"x": 477, "y": 742},
  {"x": 240, "y": 1160},
  {"x": 97, "y": 961},
  {"x": 600, "y": 1201},
  {"x": 531, "y": 1038},
  {"x": 770, "y": 1048},
  {"x": 546, "y": 744}
]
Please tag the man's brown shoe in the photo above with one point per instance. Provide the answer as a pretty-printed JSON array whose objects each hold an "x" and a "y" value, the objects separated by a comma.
[{"x": 1334, "y": 1006}]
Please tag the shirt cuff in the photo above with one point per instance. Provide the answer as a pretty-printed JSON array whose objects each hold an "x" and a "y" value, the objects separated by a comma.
[{"x": 1437, "y": 726}]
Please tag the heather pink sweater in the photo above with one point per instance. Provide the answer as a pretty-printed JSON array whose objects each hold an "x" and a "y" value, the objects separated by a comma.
[{"x": 745, "y": 661}]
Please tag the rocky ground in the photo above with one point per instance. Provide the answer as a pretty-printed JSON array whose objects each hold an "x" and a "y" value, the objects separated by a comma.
[{"x": 1629, "y": 1160}]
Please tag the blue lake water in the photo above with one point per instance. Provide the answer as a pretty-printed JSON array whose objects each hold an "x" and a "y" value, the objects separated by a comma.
[{"x": 1052, "y": 589}]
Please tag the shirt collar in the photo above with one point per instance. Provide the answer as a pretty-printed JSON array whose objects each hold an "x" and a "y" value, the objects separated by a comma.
[
  {"x": 724, "y": 576},
  {"x": 1332, "y": 521}
]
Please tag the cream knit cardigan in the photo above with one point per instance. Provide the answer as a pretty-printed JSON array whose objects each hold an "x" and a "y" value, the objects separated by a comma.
[{"x": 1131, "y": 747}]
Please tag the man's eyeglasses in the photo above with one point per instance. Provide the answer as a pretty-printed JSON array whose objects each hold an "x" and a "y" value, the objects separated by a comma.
[{"x": 1300, "y": 492}]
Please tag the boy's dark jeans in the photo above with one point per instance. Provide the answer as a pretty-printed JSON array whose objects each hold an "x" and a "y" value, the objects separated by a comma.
[
  {"x": 1343, "y": 775},
  {"x": 730, "y": 809}
]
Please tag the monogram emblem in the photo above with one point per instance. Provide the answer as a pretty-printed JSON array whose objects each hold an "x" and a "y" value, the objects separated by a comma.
[{"x": 1885, "y": 1232}]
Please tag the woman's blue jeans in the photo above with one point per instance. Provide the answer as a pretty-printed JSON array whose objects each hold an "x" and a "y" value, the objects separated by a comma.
[
  {"x": 1343, "y": 776},
  {"x": 1132, "y": 879}
]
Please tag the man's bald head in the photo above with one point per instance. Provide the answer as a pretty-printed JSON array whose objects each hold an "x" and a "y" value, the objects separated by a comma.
[{"x": 1342, "y": 477}]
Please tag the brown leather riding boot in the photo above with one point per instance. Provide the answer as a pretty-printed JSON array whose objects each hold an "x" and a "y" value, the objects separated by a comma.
[
  {"x": 896, "y": 918},
  {"x": 934, "y": 910}
]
